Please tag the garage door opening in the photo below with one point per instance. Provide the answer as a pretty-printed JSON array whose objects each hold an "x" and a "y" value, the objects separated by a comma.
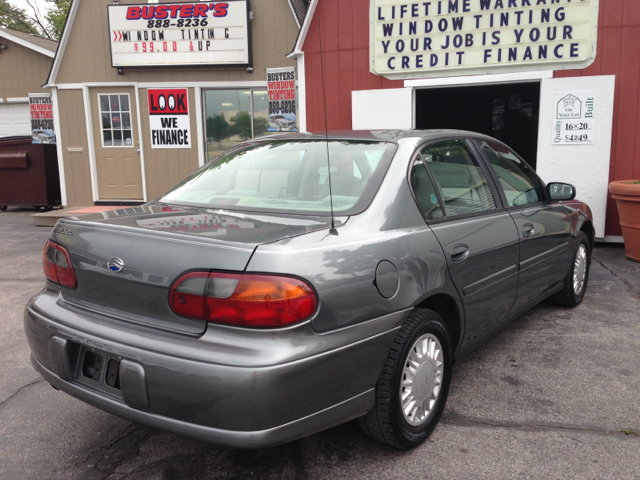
[{"x": 508, "y": 112}]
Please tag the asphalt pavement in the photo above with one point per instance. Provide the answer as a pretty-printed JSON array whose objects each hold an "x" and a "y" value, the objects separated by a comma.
[{"x": 556, "y": 394}]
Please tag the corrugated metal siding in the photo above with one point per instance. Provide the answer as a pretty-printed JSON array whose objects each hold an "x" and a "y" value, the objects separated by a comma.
[
  {"x": 345, "y": 43},
  {"x": 22, "y": 70},
  {"x": 74, "y": 134},
  {"x": 345, "y": 40},
  {"x": 619, "y": 54},
  {"x": 87, "y": 57}
]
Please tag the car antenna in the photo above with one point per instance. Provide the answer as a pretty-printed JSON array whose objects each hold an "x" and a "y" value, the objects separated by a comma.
[{"x": 332, "y": 230}]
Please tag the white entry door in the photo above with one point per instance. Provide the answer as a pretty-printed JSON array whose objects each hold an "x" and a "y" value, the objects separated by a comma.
[{"x": 570, "y": 153}]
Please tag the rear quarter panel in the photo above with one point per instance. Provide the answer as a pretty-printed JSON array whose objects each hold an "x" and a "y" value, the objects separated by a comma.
[{"x": 342, "y": 268}]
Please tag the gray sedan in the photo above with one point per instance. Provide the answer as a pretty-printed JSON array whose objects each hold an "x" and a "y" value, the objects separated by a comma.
[{"x": 295, "y": 283}]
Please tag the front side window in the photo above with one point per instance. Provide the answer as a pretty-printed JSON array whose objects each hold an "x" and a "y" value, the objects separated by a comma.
[
  {"x": 115, "y": 120},
  {"x": 289, "y": 176},
  {"x": 460, "y": 181},
  {"x": 519, "y": 182}
]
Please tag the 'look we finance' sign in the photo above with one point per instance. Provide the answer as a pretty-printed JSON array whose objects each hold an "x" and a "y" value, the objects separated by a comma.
[
  {"x": 461, "y": 37},
  {"x": 169, "y": 118}
]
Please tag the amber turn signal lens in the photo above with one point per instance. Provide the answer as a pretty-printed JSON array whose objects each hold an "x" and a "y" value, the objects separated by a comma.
[{"x": 263, "y": 301}]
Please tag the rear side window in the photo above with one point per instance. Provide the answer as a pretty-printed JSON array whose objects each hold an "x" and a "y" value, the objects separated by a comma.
[
  {"x": 425, "y": 191},
  {"x": 459, "y": 179},
  {"x": 519, "y": 182}
]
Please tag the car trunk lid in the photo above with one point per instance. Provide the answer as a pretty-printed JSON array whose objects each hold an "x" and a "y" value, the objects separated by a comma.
[{"x": 156, "y": 245}]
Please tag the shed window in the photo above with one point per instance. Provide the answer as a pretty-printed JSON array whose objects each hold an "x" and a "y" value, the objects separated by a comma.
[
  {"x": 115, "y": 118},
  {"x": 233, "y": 116}
]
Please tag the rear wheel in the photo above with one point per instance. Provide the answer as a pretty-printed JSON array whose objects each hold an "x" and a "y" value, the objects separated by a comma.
[
  {"x": 575, "y": 283},
  {"x": 413, "y": 386},
  {"x": 3, "y": 208}
]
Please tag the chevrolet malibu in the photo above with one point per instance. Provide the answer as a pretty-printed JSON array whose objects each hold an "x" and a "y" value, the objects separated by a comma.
[{"x": 297, "y": 282}]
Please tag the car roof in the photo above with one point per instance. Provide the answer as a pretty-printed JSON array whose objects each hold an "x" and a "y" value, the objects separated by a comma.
[{"x": 375, "y": 135}]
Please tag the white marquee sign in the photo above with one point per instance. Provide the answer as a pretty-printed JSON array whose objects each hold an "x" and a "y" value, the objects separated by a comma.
[
  {"x": 198, "y": 33},
  {"x": 440, "y": 38}
]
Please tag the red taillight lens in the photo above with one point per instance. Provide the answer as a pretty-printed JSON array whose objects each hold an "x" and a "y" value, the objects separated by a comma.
[
  {"x": 186, "y": 298},
  {"x": 49, "y": 262},
  {"x": 265, "y": 301},
  {"x": 57, "y": 267}
]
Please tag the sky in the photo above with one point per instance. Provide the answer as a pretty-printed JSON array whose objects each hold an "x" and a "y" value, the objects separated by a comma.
[{"x": 44, "y": 6}]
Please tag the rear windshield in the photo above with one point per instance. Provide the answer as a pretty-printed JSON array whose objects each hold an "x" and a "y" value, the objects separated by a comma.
[{"x": 289, "y": 176}]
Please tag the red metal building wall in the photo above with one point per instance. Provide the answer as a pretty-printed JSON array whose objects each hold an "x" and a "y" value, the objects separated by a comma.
[
  {"x": 619, "y": 54},
  {"x": 345, "y": 41},
  {"x": 345, "y": 46}
]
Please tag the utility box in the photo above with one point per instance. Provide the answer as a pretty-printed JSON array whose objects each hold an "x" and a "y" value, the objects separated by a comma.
[{"x": 28, "y": 173}]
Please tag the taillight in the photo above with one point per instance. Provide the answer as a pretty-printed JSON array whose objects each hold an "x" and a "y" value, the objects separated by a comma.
[
  {"x": 246, "y": 300},
  {"x": 57, "y": 265}
]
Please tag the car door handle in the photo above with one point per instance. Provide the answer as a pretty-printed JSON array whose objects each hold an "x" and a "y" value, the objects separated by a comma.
[
  {"x": 459, "y": 252},
  {"x": 527, "y": 230}
]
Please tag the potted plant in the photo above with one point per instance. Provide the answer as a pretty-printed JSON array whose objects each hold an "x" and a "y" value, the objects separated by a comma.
[{"x": 627, "y": 195}]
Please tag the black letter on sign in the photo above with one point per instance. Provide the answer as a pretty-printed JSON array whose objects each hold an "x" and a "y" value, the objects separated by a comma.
[{"x": 181, "y": 106}]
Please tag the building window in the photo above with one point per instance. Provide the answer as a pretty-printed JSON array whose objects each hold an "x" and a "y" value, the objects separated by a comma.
[
  {"x": 233, "y": 116},
  {"x": 115, "y": 117}
]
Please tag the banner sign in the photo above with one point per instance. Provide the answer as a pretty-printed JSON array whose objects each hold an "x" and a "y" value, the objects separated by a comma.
[
  {"x": 41, "y": 108},
  {"x": 282, "y": 99},
  {"x": 200, "y": 33},
  {"x": 169, "y": 118},
  {"x": 442, "y": 38},
  {"x": 574, "y": 121}
]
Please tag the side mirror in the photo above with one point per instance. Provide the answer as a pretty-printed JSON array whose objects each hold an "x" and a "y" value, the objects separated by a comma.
[{"x": 561, "y": 191}]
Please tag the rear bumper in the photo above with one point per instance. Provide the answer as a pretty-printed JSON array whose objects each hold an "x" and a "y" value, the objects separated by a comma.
[
  {"x": 237, "y": 406},
  {"x": 334, "y": 415}
]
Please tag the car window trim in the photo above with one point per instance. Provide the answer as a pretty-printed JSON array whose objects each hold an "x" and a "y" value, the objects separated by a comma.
[
  {"x": 463, "y": 216},
  {"x": 497, "y": 199},
  {"x": 545, "y": 200},
  {"x": 416, "y": 158}
]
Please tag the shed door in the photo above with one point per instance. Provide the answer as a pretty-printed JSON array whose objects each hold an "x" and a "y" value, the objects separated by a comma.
[
  {"x": 585, "y": 165},
  {"x": 15, "y": 119},
  {"x": 116, "y": 136}
]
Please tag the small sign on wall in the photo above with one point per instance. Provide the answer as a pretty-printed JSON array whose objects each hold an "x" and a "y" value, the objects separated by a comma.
[
  {"x": 282, "y": 99},
  {"x": 574, "y": 114},
  {"x": 169, "y": 118},
  {"x": 41, "y": 109}
]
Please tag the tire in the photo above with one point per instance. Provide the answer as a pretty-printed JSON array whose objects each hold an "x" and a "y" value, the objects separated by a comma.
[
  {"x": 3, "y": 208},
  {"x": 387, "y": 422},
  {"x": 568, "y": 297}
]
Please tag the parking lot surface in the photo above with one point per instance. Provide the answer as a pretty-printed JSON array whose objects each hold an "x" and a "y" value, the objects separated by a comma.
[{"x": 556, "y": 394}]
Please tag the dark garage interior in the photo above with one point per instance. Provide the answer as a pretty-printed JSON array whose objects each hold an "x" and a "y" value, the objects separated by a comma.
[{"x": 508, "y": 112}]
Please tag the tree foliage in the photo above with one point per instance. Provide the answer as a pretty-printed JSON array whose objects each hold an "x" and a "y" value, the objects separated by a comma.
[
  {"x": 241, "y": 125},
  {"x": 57, "y": 16},
  {"x": 16, "y": 18},
  {"x": 217, "y": 128},
  {"x": 33, "y": 21}
]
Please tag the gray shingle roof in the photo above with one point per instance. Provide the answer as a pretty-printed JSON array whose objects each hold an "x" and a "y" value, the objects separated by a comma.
[
  {"x": 300, "y": 7},
  {"x": 43, "y": 42}
]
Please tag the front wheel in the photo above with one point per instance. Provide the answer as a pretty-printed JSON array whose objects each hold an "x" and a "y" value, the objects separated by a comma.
[
  {"x": 575, "y": 283},
  {"x": 413, "y": 386}
]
